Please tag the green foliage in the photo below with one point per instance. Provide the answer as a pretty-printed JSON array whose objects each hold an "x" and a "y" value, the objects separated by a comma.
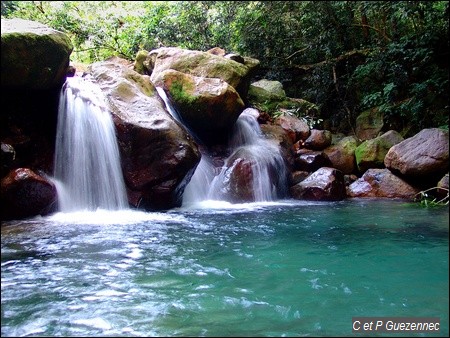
[
  {"x": 8, "y": 7},
  {"x": 400, "y": 48},
  {"x": 98, "y": 30},
  {"x": 405, "y": 77},
  {"x": 404, "y": 81}
]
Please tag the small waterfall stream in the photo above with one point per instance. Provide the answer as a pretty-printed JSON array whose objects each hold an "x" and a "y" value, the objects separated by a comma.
[
  {"x": 268, "y": 171},
  {"x": 87, "y": 162}
]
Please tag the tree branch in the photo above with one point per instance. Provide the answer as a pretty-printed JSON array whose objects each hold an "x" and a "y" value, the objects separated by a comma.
[
  {"x": 363, "y": 52},
  {"x": 299, "y": 51},
  {"x": 387, "y": 38}
]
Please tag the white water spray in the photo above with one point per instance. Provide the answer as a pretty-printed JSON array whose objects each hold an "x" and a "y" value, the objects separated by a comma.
[
  {"x": 268, "y": 170},
  {"x": 87, "y": 161}
]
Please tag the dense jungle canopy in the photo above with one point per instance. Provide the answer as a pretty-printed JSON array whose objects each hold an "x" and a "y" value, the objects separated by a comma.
[{"x": 344, "y": 56}]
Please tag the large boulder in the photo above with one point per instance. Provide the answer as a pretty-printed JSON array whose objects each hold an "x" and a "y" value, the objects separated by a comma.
[
  {"x": 325, "y": 184},
  {"x": 33, "y": 55},
  {"x": 209, "y": 107},
  {"x": 158, "y": 155},
  {"x": 423, "y": 156},
  {"x": 201, "y": 64},
  {"x": 34, "y": 61},
  {"x": 342, "y": 154},
  {"x": 318, "y": 139},
  {"x": 25, "y": 193},
  {"x": 371, "y": 153},
  {"x": 296, "y": 128},
  {"x": 264, "y": 90},
  {"x": 381, "y": 183}
]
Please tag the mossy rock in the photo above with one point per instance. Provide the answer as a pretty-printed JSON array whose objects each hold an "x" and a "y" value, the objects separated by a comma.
[
  {"x": 266, "y": 90},
  {"x": 371, "y": 153},
  {"x": 33, "y": 55}
]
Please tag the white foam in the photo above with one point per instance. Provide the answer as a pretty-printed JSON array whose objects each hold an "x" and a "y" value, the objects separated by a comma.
[{"x": 109, "y": 217}]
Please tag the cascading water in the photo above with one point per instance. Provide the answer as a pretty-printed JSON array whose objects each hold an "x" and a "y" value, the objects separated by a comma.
[
  {"x": 266, "y": 177},
  {"x": 260, "y": 160},
  {"x": 87, "y": 162}
]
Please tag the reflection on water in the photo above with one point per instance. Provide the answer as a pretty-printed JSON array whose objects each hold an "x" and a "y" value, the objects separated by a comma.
[{"x": 262, "y": 269}]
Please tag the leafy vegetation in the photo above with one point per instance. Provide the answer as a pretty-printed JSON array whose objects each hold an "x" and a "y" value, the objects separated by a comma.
[{"x": 343, "y": 56}]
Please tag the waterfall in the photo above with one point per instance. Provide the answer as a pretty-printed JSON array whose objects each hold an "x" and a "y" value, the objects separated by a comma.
[
  {"x": 267, "y": 179},
  {"x": 87, "y": 161},
  {"x": 260, "y": 158}
]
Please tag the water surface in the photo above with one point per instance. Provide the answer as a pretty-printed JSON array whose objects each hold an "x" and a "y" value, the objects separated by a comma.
[{"x": 263, "y": 269}]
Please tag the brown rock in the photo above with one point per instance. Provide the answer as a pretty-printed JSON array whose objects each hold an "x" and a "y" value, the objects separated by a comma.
[
  {"x": 325, "y": 184},
  {"x": 217, "y": 51},
  {"x": 422, "y": 156},
  {"x": 296, "y": 128},
  {"x": 158, "y": 155},
  {"x": 342, "y": 154},
  {"x": 26, "y": 194},
  {"x": 318, "y": 139},
  {"x": 309, "y": 160},
  {"x": 209, "y": 106},
  {"x": 381, "y": 183}
]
